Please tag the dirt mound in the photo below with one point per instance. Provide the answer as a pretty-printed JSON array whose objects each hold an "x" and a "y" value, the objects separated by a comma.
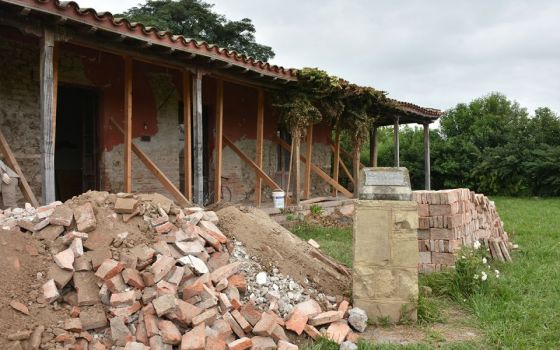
[
  {"x": 22, "y": 274},
  {"x": 274, "y": 246}
]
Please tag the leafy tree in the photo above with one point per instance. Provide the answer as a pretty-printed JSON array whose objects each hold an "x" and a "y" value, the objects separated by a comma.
[{"x": 195, "y": 19}]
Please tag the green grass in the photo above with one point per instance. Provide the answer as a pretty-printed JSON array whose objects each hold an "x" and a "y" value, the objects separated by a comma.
[{"x": 522, "y": 311}]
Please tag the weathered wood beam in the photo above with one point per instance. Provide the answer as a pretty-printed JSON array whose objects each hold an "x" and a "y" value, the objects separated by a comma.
[
  {"x": 259, "y": 144},
  {"x": 198, "y": 146},
  {"x": 13, "y": 163},
  {"x": 344, "y": 167},
  {"x": 316, "y": 169},
  {"x": 219, "y": 133},
  {"x": 187, "y": 146},
  {"x": 47, "y": 95},
  {"x": 127, "y": 161},
  {"x": 349, "y": 155},
  {"x": 336, "y": 153},
  {"x": 258, "y": 171},
  {"x": 373, "y": 147},
  {"x": 427, "y": 170},
  {"x": 153, "y": 168},
  {"x": 396, "y": 142},
  {"x": 309, "y": 152}
]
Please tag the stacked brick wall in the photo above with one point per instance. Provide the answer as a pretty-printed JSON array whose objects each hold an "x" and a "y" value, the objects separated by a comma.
[{"x": 451, "y": 219}]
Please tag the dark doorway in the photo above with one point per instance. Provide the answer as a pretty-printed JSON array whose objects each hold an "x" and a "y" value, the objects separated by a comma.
[{"x": 76, "y": 150}]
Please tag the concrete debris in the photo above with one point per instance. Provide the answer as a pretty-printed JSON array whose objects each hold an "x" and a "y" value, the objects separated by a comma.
[
  {"x": 183, "y": 285},
  {"x": 357, "y": 318}
]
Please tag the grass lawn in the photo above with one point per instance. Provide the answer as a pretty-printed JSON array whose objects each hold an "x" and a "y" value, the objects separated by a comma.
[{"x": 523, "y": 310}]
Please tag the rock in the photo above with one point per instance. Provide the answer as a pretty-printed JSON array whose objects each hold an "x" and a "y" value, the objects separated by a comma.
[
  {"x": 50, "y": 293},
  {"x": 93, "y": 318},
  {"x": 36, "y": 336},
  {"x": 348, "y": 345},
  {"x": 357, "y": 318},
  {"x": 125, "y": 205},
  {"x": 65, "y": 259},
  {"x": 85, "y": 218},
  {"x": 16, "y": 305},
  {"x": 261, "y": 278},
  {"x": 62, "y": 215}
]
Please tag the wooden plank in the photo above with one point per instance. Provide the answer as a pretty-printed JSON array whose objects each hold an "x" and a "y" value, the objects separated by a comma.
[
  {"x": 12, "y": 163},
  {"x": 260, "y": 143},
  {"x": 219, "y": 132},
  {"x": 356, "y": 170},
  {"x": 309, "y": 152},
  {"x": 152, "y": 167},
  {"x": 336, "y": 152},
  {"x": 127, "y": 171},
  {"x": 296, "y": 167},
  {"x": 198, "y": 147},
  {"x": 187, "y": 146},
  {"x": 48, "y": 115},
  {"x": 344, "y": 167},
  {"x": 373, "y": 148},
  {"x": 258, "y": 171},
  {"x": 349, "y": 155},
  {"x": 316, "y": 170}
]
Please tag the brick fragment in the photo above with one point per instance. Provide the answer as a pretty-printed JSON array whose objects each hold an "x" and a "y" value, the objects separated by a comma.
[
  {"x": 235, "y": 327},
  {"x": 164, "y": 304},
  {"x": 109, "y": 268},
  {"x": 119, "y": 331},
  {"x": 195, "y": 339},
  {"x": 50, "y": 293},
  {"x": 93, "y": 318},
  {"x": 85, "y": 218},
  {"x": 225, "y": 272},
  {"x": 170, "y": 334},
  {"x": 265, "y": 326},
  {"x": 85, "y": 283},
  {"x": 62, "y": 215},
  {"x": 338, "y": 331},
  {"x": 215, "y": 343},
  {"x": 213, "y": 230},
  {"x": 133, "y": 278},
  {"x": 343, "y": 307},
  {"x": 245, "y": 325},
  {"x": 309, "y": 308},
  {"x": 238, "y": 281},
  {"x": 65, "y": 259},
  {"x": 36, "y": 337},
  {"x": 157, "y": 343},
  {"x": 297, "y": 321},
  {"x": 184, "y": 313},
  {"x": 116, "y": 284},
  {"x": 312, "y": 332},
  {"x": 150, "y": 322},
  {"x": 16, "y": 305},
  {"x": 162, "y": 266},
  {"x": 240, "y": 344},
  {"x": 73, "y": 325},
  {"x": 263, "y": 343},
  {"x": 324, "y": 318},
  {"x": 125, "y": 205},
  {"x": 208, "y": 317},
  {"x": 123, "y": 299},
  {"x": 131, "y": 345},
  {"x": 284, "y": 345}
]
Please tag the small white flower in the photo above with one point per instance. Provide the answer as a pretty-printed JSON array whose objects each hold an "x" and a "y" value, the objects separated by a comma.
[
  {"x": 476, "y": 244},
  {"x": 484, "y": 261},
  {"x": 475, "y": 276},
  {"x": 463, "y": 257},
  {"x": 484, "y": 276},
  {"x": 497, "y": 272},
  {"x": 488, "y": 267}
]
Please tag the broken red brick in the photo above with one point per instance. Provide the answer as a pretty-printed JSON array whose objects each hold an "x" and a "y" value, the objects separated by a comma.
[
  {"x": 132, "y": 278},
  {"x": 208, "y": 317},
  {"x": 297, "y": 321},
  {"x": 309, "y": 308},
  {"x": 240, "y": 344},
  {"x": 170, "y": 334},
  {"x": 16, "y": 305},
  {"x": 125, "y": 205},
  {"x": 312, "y": 332},
  {"x": 123, "y": 299},
  {"x": 225, "y": 271},
  {"x": 109, "y": 268},
  {"x": 263, "y": 343},
  {"x": 194, "y": 339},
  {"x": 85, "y": 217},
  {"x": 85, "y": 283},
  {"x": 265, "y": 326},
  {"x": 235, "y": 327},
  {"x": 73, "y": 325},
  {"x": 62, "y": 215},
  {"x": 65, "y": 259},
  {"x": 338, "y": 331},
  {"x": 162, "y": 266},
  {"x": 284, "y": 345},
  {"x": 50, "y": 293},
  {"x": 324, "y": 318},
  {"x": 238, "y": 281}
]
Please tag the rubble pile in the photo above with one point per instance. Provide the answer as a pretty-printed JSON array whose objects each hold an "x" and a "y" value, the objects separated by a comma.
[
  {"x": 174, "y": 280},
  {"x": 450, "y": 219}
]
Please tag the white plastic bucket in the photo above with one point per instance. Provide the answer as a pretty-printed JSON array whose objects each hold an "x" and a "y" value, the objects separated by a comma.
[{"x": 278, "y": 199}]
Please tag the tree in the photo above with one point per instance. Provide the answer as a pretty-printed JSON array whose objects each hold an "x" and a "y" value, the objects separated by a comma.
[{"x": 195, "y": 19}]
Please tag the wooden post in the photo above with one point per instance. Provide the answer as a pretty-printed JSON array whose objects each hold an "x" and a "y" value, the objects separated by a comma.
[
  {"x": 219, "y": 131},
  {"x": 309, "y": 151},
  {"x": 336, "y": 158},
  {"x": 260, "y": 142},
  {"x": 127, "y": 124},
  {"x": 198, "y": 190},
  {"x": 296, "y": 167},
  {"x": 187, "y": 147},
  {"x": 396, "y": 141},
  {"x": 373, "y": 147},
  {"x": 48, "y": 76},
  {"x": 427, "y": 170},
  {"x": 356, "y": 169}
]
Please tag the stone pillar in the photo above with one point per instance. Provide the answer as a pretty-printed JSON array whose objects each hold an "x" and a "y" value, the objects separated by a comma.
[
  {"x": 427, "y": 170},
  {"x": 396, "y": 142},
  {"x": 385, "y": 280}
]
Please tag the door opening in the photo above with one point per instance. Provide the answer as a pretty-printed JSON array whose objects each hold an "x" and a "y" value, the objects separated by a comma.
[{"x": 76, "y": 148}]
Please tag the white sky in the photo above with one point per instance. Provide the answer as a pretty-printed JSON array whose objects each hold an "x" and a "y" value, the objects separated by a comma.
[{"x": 434, "y": 53}]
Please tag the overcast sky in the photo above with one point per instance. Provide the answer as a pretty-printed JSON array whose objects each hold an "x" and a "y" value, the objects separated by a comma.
[{"x": 434, "y": 53}]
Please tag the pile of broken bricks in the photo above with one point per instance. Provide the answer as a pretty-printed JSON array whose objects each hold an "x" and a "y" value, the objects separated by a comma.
[{"x": 183, "y": 290}]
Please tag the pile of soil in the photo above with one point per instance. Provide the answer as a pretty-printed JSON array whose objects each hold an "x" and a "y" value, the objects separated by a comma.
[{"x": 274, "y": 246}]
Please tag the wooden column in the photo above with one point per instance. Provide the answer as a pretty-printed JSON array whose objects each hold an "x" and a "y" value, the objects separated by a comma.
[
  {"x": 309, "y": 157},
  {"x": 427, "y": 170},
  {"x": 356, "y": 169},
  {"x": 187, "y": 146},
  {"x": 127, "y": 172},
  {"x": 259, "y": 151},
  {"x": 336, "y": 165},
  {"x": 198, "y": 191},
  {"x": 218, "y": 140},
  {"x": 373, "y": 147},
  {"x": 48, "y": 81},
  {"x": 396, "y": 142},
  {"x": 296, "y": 166}
]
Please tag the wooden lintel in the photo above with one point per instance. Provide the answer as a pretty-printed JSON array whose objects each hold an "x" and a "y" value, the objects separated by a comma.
[
  {"x": 153, "y": 168},
  {"x": 13, "y": 164},
  {"x": 260, "y": 144},
  {"x": 258, "y": 171},
  {"x": 309, "y": 152},
  {"x": 127, "y": 162},
  {"x": 316, "y": 170},
  {"x": 218, "y": 148},
  {"x": 187, "y": 146}
]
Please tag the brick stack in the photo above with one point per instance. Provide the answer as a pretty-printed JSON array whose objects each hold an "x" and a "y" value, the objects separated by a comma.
[
  {"x": 182, "y": 290},
  {"x": 451, "y": 219}
]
